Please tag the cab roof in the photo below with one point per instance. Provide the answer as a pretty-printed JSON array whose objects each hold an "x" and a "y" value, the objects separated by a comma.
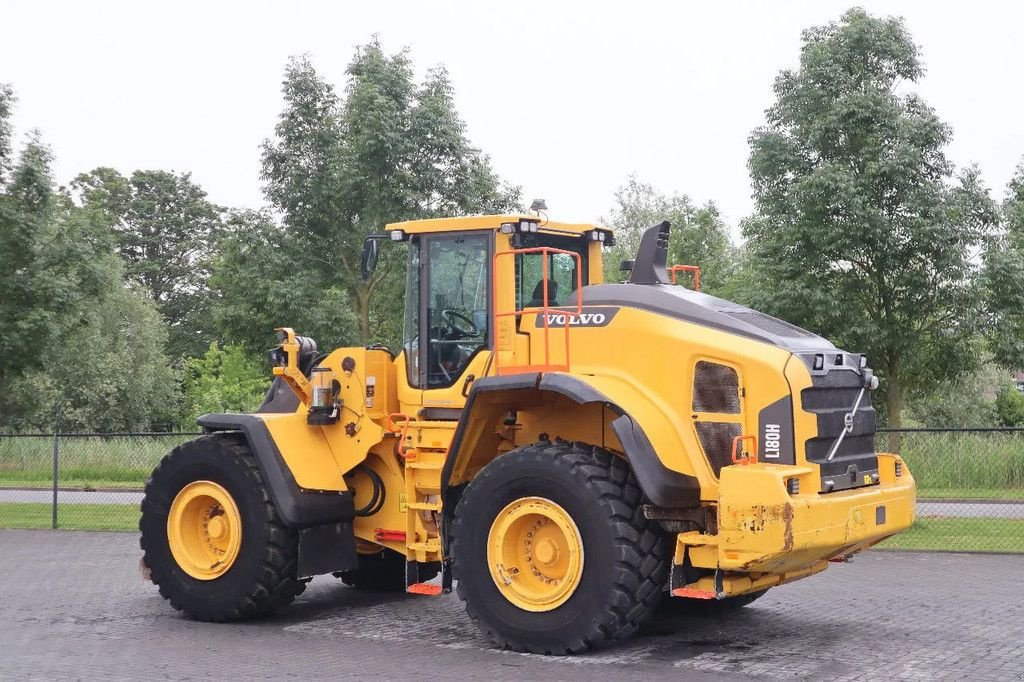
[{"x": 487, "y": 222}]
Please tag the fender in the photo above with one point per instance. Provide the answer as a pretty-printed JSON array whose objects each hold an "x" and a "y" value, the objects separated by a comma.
[
  {"x": 662, "y": 486},
  {"x": 298, "y": 508}
]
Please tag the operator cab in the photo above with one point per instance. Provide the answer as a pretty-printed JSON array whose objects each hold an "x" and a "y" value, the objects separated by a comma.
[{"x": 449, "y": 288}]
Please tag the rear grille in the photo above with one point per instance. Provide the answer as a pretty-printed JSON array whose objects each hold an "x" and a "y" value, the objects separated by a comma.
[
  {"x": 716, "y": 388},
  {"x": 716, "y": 440},
  {"x": 831, "y": 397}
]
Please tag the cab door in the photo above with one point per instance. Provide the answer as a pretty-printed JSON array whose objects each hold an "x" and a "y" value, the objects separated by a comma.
[{"x": 447, "y": 332}]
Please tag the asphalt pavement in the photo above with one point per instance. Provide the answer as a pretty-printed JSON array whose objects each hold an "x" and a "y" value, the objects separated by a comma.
[{"x": 74, "y": 606}]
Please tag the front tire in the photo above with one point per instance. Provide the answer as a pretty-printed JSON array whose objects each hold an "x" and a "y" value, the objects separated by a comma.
[
  {"x": 552, "y": 552},
  {"x": 211, "y": 537}
]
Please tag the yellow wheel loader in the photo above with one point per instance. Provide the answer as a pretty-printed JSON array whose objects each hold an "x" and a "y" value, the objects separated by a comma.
[{"x": 569, "y": 453}]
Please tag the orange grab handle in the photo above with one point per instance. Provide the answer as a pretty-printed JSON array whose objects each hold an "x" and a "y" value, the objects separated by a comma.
[
  {"x": 694, "y": 269},
  {"x": 745, "y": 457}
]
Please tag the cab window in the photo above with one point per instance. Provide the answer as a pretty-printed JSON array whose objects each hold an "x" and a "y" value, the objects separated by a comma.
[
  {"x": 562, "y": 274},
  {"x": 458, "y": 275}
]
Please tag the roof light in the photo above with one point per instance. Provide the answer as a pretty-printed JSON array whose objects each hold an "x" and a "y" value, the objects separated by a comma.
[
  {"x": 863, "y": 361},
  {"x": 397, "y": 235},
  {"x": 508, "y": 228},
  {"x": 819, "y": 361}
]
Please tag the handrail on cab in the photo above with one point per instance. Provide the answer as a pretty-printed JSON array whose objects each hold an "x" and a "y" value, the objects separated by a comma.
[{"x": 543, "y": 310}]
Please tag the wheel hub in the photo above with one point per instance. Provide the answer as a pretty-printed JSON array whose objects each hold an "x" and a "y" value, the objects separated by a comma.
[
  {"x": 204, "y": 530},
  {"x": 535, "y": 554}
]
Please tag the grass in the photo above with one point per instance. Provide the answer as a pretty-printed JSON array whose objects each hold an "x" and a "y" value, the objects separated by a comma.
[
  {"x": 961, "y": 535},
  {"x": 85, "y": 462},
  {"x": 971, "y": 464},
  {"x": 70, "y": 516}
]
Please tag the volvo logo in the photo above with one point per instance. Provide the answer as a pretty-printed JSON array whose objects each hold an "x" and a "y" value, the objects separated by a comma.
[{"x": 588, "y": 317}]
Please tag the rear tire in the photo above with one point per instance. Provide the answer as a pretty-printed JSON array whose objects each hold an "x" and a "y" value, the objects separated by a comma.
[
  {"x": 624, "y": 558},
  {"x": 262, "y": 575}
]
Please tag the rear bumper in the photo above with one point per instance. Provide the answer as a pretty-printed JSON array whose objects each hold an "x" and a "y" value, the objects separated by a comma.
[{"x": 767, "y": 536}]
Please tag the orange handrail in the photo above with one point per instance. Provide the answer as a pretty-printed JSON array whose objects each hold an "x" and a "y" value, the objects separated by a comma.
[
  {"x": 694, "y": 269},
  {"x": 543, "y": 310},
  {"x": 748, "y": 457}
]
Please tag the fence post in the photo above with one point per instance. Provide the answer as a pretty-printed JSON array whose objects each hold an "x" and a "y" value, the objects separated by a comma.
[{"x": 56, "y": 460}]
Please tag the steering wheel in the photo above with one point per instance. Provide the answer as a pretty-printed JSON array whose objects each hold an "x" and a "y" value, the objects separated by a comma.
[{"x": 454, "y": 317}]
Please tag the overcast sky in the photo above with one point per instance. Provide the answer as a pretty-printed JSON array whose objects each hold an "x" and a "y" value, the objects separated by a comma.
[{"x": 568, "y": 100}]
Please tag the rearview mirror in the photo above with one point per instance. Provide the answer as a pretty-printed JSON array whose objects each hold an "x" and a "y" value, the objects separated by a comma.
[{"x": 371, "y": 250}]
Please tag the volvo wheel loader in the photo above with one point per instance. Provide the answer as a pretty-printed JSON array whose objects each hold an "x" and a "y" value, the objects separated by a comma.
[{"x": 569, "y": 453}]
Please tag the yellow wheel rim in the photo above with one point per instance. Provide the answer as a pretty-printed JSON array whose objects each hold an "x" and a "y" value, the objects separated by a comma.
[
  {"x": 204, "y": 530},
  {"x": 535, "y": 554}
]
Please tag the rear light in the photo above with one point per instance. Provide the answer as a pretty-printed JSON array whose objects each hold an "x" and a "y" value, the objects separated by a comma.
[
  {"x": 793, "y": 486},
  {"x": 899, "y": 469}
]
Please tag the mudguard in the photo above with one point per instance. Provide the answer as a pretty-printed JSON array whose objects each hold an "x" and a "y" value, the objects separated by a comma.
[
  {"x": 662, "y": 486},
  {"x": 297, "y": 507}
]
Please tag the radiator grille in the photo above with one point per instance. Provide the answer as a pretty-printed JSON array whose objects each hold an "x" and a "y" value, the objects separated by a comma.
[
  {"x": 716, "y": 388},
  {"x": 716, "y": 440}
]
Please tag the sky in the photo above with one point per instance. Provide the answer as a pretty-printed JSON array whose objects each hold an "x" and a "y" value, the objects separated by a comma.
[{"x": 568, "y": 99}]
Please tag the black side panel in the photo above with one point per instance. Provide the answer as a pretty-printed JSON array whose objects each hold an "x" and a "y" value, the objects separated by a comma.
[
  {"x": 279, "y": 399},
  {"x": 775, "y": 433},
  {"x": 663, "y": 487},
  {"x": 327, "y": 548},
  {"x": 297, "y": 507}
]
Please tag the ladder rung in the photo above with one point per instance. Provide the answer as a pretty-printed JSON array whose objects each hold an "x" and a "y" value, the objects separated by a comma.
[
  {"x": 424, "y": 588},
  {"x": 433, "y": 545},
  {"x": 425, "y": 506}
]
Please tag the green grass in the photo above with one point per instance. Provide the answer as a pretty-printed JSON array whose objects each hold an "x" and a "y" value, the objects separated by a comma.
[
  {"x": 970, "y": 494},
  {"x": 85, "y": 462},
  {"x": 961, "y": 535},
  {"x": 969, "y": 463},
  {"x": 70, "y": 516}
]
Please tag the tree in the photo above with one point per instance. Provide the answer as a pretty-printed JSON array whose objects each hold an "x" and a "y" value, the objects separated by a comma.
[
  {"x": 1010, "y": 405},
  {"x": 165, "y": 230},
  {"x": 861, "y": 231},
  {"x": 222, "y": 380},
  {"x": 72, "y": 334},
  {"x": 699, "y": 235},
  {"x": 966, "y": 401},
  {"x": 261, "y": 281},
  {"x": 339, "y": 169},
  {"x": 1004, "y": 279}
]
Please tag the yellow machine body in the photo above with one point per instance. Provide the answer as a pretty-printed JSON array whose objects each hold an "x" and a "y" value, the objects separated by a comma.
[{"x": 748, "y": 525}]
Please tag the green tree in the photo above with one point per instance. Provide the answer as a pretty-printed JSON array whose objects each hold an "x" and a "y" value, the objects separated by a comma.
[
  {"x": 965, "y": 401},
  {"x": 861, "y": 231},
  {"x": 165, "y": 231},
  {"x": 1004, "y": 279},
  {"x": 1010, "y": 405},
  {"x": 222, "y": 380},
  {"x": 699, "y": 235},
  {"x": 339, "y": 169},
  {"x": 72, "y": 334}
]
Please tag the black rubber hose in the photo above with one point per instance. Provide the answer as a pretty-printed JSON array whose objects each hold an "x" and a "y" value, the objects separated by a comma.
[{"x": 376, "y": 502}]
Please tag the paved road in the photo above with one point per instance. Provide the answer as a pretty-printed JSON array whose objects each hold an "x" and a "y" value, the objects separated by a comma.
[
  {"x": 998, "y": 510},
  {"x": 73, "y": 605}
]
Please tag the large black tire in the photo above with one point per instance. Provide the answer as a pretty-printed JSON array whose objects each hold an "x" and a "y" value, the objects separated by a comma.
[
  {"x": 707, "y": 608},
  {"x": 382, "y": 572},
  {"x": 626, "y": 557},
  {"x": 262, "y": 577}
]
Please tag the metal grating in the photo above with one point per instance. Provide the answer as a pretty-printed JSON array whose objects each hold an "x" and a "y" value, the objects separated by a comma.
[
  {"x": 716, "y": 439},
  {"x": 716, "y": 388}
]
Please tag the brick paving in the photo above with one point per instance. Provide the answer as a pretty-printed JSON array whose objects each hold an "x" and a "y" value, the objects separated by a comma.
[{"x": 72, "y": 605}]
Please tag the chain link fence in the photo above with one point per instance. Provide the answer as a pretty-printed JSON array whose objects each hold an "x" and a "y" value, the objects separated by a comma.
[
  {"x": 78, "y": 481},
  {"x": 970, "y": 483}
]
